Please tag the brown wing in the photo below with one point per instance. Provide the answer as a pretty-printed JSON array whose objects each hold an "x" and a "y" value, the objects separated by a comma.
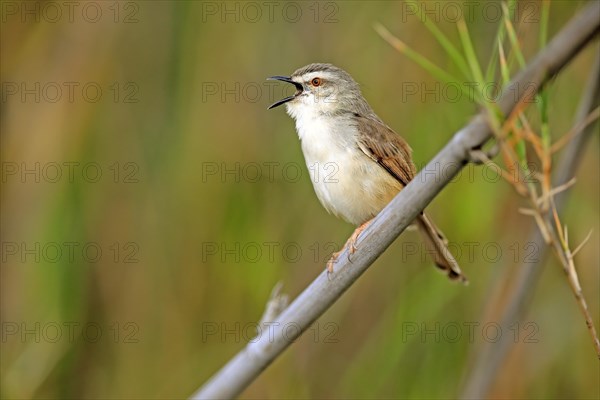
[{"x": 380, "y": 143}]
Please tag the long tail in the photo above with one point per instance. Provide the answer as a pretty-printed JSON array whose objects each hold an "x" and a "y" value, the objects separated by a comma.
[{"x": 437, "y": 246}]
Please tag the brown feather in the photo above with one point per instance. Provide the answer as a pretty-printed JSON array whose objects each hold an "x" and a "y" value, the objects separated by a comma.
[{"x": 380, "y": 143}]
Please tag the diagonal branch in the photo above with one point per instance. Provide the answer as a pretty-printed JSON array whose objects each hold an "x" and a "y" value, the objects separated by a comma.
[{"x": 241, "y": 370}]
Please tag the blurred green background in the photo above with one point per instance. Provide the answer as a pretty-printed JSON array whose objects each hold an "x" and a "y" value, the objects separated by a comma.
[{"x": 150, "y": 203}]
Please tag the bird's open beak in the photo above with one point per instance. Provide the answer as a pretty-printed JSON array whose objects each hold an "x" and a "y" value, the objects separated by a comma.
[{"x": 287, "y": 79}]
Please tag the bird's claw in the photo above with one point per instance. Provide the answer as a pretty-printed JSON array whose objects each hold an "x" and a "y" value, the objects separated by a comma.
[{"x": 350, "y": 243}]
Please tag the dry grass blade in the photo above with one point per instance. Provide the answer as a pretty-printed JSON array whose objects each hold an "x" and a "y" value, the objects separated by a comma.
[
  {"x": 573, "y": 278},
  {"x": 403, "y": 48},
  {"x": 554, "y": 191},
  {"x": 589, "y": 235},
  {"x": 577, "y": 129},
  {"x": 566, "y": 257}
]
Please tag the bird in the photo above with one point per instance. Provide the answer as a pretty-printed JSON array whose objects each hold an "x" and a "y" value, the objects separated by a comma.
[{"x": 357, "y": 163}]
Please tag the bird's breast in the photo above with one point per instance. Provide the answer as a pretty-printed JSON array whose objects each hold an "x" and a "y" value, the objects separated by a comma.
[{"x": 347, "y": 182}]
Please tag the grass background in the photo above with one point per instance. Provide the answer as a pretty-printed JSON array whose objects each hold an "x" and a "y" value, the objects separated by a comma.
[{"x": 185, "y": 267}]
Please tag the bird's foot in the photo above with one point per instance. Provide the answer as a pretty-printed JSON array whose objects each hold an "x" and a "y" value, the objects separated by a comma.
[{"x": 350, "y": 244}]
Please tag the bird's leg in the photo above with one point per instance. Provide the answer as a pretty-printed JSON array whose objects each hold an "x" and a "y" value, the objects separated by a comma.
[{"x": 351, "y": 242}]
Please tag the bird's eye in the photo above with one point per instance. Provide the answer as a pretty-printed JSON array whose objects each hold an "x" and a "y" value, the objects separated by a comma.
[{"x": 316, "y": 82}]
